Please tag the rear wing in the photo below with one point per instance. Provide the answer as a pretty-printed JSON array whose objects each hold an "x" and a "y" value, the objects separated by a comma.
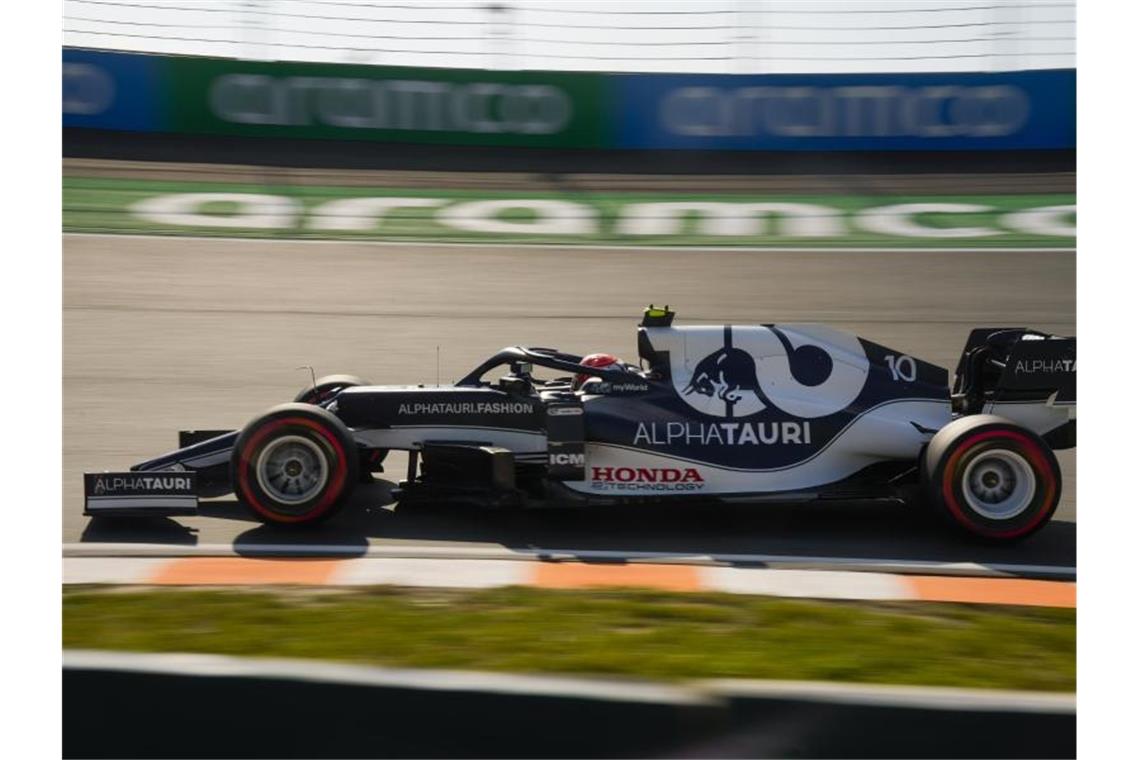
[{"x": 1014, "y": 364}]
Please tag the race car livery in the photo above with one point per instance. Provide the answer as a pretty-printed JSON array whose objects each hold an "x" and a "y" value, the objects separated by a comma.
[{"x": 736, "y": 413}]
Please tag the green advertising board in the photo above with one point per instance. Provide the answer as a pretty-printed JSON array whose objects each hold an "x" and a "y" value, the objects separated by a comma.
[{"x": 349, "y": 102}]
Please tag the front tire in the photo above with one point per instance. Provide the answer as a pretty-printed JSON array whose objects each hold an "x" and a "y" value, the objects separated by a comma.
[
  {"x": 294, "y": 465},
  {"x": 991, "y": 478},
  {"x": 324, "y": 389}
]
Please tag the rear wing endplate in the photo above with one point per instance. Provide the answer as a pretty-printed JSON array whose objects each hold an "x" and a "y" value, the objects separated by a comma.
[{"x": 1048, "y": 365}]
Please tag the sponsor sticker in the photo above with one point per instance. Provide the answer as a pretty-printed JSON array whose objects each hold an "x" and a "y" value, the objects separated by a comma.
[
  {"x": 567, "y": 460},
  {"x": 140, "y": 484},
  {"x": 723, "y": 433},
  {"x": 646, "y": 479},
  {"x": 1033, "y": 366},
  {"x": 464, "y": 407},
  {"x": 152, "y": 493},
  {"x": 604, "y": 388}
]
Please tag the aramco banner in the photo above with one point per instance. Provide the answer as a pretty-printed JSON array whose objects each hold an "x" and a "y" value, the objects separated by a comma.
[
  {"x": 937, "y": 111},
  {"x": 342, "y": 102},
  {"x": 816, "y": 112}
]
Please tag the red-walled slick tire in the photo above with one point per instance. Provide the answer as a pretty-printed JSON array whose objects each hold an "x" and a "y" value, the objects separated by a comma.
[
  {"x": 991, "y": 478},
  {"x": 294, "y": 465},
  {"x": 324, "y": 389}
]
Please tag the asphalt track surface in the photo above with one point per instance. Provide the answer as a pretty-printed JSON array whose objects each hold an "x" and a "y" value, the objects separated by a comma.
[{"x": 183, "y": 333}]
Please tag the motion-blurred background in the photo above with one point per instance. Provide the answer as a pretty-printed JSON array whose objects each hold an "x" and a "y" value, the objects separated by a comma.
[
  {"x": 558, "y": 91},
  {"x": 713, "y": 37}
]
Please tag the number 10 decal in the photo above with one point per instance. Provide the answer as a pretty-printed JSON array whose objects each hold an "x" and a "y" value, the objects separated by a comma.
[{"x": 902, "y": 368}]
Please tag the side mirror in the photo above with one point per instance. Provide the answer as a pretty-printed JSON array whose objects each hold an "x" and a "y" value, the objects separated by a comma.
[{"x": 515, "y": 385}]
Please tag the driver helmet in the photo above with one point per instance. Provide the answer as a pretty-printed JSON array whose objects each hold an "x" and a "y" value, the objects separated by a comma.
[{"x": 594, "y": 360}]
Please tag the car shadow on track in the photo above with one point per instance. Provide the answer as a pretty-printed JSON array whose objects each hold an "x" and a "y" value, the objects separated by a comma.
[
  {"x": 863, "y": 530},
  {"x": 855, "y": 530},
  {"x": 138, "y": 530}
]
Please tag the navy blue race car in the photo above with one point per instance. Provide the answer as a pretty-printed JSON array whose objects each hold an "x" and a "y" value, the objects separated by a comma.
[{"x": 729, "y": 413}]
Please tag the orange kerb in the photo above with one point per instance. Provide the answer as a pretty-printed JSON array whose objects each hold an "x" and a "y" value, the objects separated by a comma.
[
  {"x": 993, "y": 591},
  {"x": 239, "y": 571},
  {"x": 578, "y": 575}
]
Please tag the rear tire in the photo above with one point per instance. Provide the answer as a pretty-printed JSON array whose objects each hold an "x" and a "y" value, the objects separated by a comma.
[
  {"x": 294, "y": 465},
  {"x": 991, "y": 478}
]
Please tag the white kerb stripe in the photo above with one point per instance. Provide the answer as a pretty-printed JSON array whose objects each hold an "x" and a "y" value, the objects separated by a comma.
[
  {"x": 368, "y": 571},
  {"x": 813, "y": 584},
  {"x": 128, "y": 570}
]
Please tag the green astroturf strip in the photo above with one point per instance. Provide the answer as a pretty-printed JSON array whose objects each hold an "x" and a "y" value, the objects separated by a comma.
[
  {"x": 610, "y": 632},
  {"x": 303, "y": 212}
]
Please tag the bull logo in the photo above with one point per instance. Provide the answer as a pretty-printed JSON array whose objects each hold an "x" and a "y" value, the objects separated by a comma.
[
  {"x": 742, "y": 373},
  {"x": 725, "y": 374},
  {"x": 786, "y": 371}
]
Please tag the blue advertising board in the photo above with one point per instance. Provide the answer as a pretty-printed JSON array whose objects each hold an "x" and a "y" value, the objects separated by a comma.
[
  {"x": 105, "y": 90},
  {"x": 822, "y": 112}
]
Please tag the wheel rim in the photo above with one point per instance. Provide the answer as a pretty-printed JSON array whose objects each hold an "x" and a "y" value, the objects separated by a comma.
[
  {"x": 999, "y": 484},
  {"x": 292, "y": 469}
]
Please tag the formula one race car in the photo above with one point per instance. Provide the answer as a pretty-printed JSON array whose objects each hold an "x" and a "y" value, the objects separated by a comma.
[{"x": 776, "y": 413}]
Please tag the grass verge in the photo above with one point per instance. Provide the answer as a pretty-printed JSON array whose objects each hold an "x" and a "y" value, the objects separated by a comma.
[{"x": 608, "y": 632}]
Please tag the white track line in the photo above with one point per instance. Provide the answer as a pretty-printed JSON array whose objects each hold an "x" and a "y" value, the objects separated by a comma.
[
  {"x": 500, "y": 246},
  {"x": 854, "y": 564},
  {"x": 936, "y": 697},
  {"x": 208, "y": 665},
  {"x": 695, "y": 693}
]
